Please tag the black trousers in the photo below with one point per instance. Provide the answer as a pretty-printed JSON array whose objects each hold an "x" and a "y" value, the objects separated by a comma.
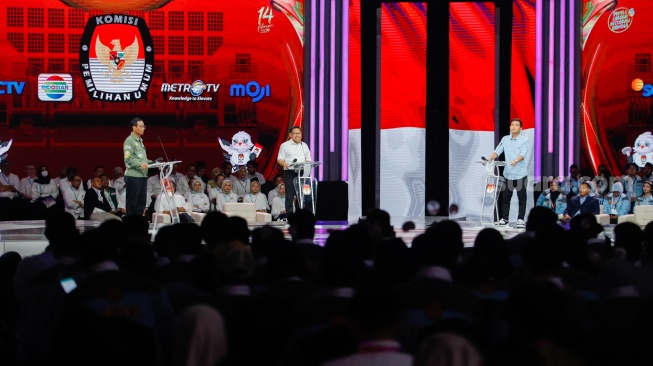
[
  {"x": 288, "y": 176},
  {"x": 506, "y": 196},
  {"x": 135, "y": 195}
]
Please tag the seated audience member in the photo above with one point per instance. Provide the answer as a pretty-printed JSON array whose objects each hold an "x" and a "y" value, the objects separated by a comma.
[
  {"x": 197, "y": 198},
  {"x": 96, "y": 203},
  {"x": 73, "y": 198},
  {"x": 582, "y": 203},
  {"x": 112, "y": 194},
  {"x": 632, "y": 183},
  {"x": 256, "y": 197},
  {"x": 213, "y": 193},
  {"x": 617, "y": 204},
  {"x": 99, "y": 170},
  {"x": 183, "y": 185},
  {"x": 228, "y": 170},
  {"x": 602, "y": 183},
  {"x": 252, "y": 166},
  {"x": 10, "y": 201},
  {"x": 226, "y": 196},
  {"x": 213, "y": 182},
  {"x": 571, "y": 183},
  {"x": 647, "y": 172},
  {"x": 241, "y": 184},
  {"x": 273, "y": 192},
  {"x": 153, "y": 187},
  {"x": 65, "y": 183},
  {"x": 44, "y": 189},
  {"x": 27, "y": 182},
  {"x": 278, "y": 206},
  {"x": 646, "y": 198},
  {"x": 118, "y": 179},
  {"x": 163, "y": 205},
  {"x": 553, "y": 198}
]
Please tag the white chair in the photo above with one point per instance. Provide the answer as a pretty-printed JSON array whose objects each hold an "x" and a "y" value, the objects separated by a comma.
[
  {"x": 244, "y": 210},
  {"x": 198, "y": 216},
  {"x": 602, "y": 218},
  {"x": 161, "y": 218},
  {"x": 641, "y": 215}
]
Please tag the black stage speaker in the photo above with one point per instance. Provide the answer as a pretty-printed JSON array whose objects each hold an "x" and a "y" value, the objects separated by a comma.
[{"x": 332, "y": 201}]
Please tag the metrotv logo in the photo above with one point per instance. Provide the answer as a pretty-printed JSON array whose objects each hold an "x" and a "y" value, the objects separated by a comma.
[{"x": 253, "y": 90}]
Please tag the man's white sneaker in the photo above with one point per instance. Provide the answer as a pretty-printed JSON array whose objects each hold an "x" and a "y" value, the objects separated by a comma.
[
  {"x": 520, "y": 224},
  {"x": 502, "y": 222}
]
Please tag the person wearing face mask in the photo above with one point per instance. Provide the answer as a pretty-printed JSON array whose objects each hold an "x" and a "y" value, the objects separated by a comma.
[{"x": 44, "y": 189}]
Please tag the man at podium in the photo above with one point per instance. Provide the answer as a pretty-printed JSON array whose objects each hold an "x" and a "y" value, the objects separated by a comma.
[
  {"x": 515, "y": 147},
  {"x": 293, "y": 151},
  {"x": 136, "y": 164}
]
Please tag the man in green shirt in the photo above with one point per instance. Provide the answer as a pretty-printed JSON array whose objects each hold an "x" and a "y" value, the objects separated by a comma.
[{"x": 136, "y": 164}]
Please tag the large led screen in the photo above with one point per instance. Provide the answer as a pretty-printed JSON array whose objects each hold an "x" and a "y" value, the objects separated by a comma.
[{"x": 194, "y": 70}]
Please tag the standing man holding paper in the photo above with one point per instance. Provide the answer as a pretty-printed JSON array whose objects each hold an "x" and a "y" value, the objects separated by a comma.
[
  {"x": 293, "y": 151},
  {"x": 136, "y": 164}
]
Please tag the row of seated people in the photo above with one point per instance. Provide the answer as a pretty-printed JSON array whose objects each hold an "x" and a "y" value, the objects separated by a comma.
[
  {"x": 615, "y": 200},
  {"x": 219, "y": 197}
]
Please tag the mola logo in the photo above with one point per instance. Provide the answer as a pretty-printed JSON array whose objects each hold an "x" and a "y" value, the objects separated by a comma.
[{"x": 116, "y": 58}]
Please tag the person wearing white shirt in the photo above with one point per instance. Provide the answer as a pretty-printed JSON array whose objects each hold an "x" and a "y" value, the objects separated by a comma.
[
  {"x": 197, "y": 198},
  {"x": 256, "y": 197},
  {"x": 213, "y": 193},
  {"x": 278, "y": 206},
  {"x": 291, "y": 152},
  {"x": 73, "y": 198},
  {"x": 64, "y": 183},
  {"x": 27, "y": 182},
  {"x": 118, "y": 179},
  {"x": 163, "y": 204},
  {"x": 252, "y": 166},
  {"x": 153, "y": 189},
  {"x": 242, "y": 184},
  {"x": 9, "y": 182},
  {"x": 99, "y": 170},
  {"x": 275, "y": 192},
  {"x": 226, "y": 196},
  {"x": 44, "y": 188}
]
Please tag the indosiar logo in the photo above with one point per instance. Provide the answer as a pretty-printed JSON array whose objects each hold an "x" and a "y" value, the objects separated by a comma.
[{"x": 252, "y": 89}]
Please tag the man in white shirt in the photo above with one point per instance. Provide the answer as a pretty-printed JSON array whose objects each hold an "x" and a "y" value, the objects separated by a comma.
[
  {"x": 163, "y": 204},
  {"x": 275, "y": 192},
  {"x": 27, "y": 182},
  {"x": 73, "y": 198},
  {"x": 118, "y": 179},
  {"x": 9, "y": 182},
  {"x": 99, "y": 170},
  {"x": 292, "y": 151},
  {"x": 252, "y": 166}
]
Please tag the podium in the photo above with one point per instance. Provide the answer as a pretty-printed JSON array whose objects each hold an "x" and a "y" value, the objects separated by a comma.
[
  {"x": 166, "y": 168},
  {"x": 305, "y": 185},
  {"x": 492, "y": 179}
]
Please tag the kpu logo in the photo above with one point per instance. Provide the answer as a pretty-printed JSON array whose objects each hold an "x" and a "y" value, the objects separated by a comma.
[
  {"x": 116, "y": 57},
  {"x": 252, "y": 89},
  {"x": 55, "y": 87}
]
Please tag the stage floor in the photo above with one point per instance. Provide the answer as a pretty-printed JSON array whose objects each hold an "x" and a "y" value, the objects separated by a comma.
[{"x": 28, "y": 237}]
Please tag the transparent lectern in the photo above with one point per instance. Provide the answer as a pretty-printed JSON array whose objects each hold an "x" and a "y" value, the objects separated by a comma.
[
  {"x": 492, "y": 180},
  {"x": 166, "y": 189},
  {"x": 305, "y": 185}
]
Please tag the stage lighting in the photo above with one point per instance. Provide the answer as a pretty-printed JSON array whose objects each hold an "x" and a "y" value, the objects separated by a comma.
[{"x": 112, "y": 5}]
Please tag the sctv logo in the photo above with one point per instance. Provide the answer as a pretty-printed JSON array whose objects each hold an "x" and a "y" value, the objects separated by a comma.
[{"x": 252, "y": 89}]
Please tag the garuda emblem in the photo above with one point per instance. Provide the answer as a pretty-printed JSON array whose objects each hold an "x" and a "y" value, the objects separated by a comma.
[{"x": 116, "y": 59}]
